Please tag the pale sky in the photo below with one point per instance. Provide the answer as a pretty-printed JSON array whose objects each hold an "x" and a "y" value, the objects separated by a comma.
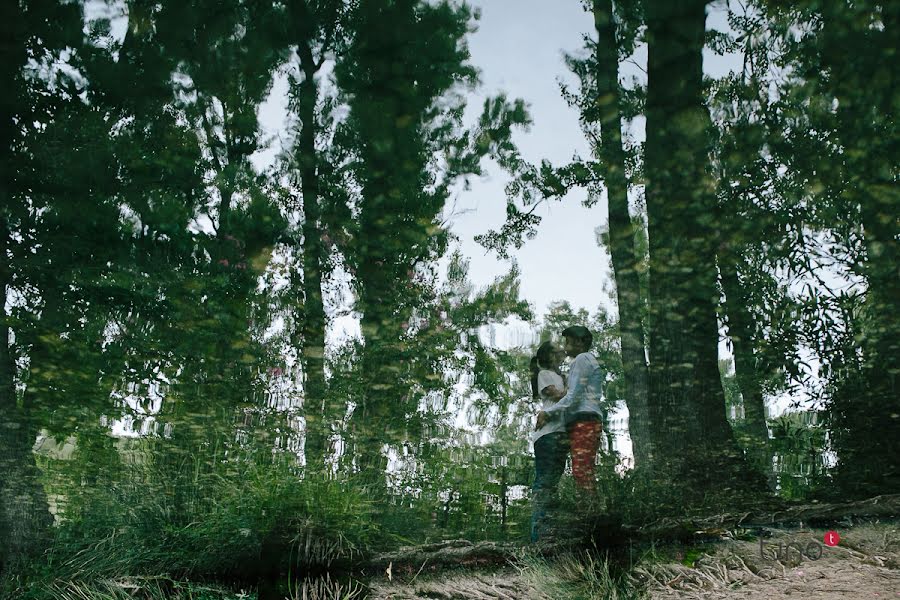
[{"x": 519, "y": 49}]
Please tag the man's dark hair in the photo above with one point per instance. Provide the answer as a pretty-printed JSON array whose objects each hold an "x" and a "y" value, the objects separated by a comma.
[{"x": 580, "y": 333}]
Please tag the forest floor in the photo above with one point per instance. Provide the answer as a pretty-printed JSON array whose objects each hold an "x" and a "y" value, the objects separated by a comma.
[
  {"x": 864, "y": 564},
  {"x": 719, "y": 559}
]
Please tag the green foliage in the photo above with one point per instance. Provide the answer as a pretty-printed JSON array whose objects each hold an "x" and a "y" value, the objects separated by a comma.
[
  {"x": 800, "y": 448},
  {"x": 133, "y": 523},
  {"x": 578, "y": 576}
]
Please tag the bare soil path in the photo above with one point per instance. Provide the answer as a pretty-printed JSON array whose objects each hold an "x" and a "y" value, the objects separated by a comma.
[{"x": 865, "y": 564}]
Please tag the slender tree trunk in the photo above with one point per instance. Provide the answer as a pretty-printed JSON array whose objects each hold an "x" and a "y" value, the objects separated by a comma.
[
  {"x": 504, "y": 498},
  {"x": 686, "y": 397},
  {"x": 740, "y": 330},
  {"x": 621, "y": 233},
  {"x": 879, "y": 199},
  {"x": 313, "y": 349},
  {"x": 391, "y": 234},
  {"x": 25, "y": 516},
  {"x": 381, "y": 418},
  {"x": 12, "y": 57},
  {"x": 226, "y": 192},
  {"x": 7, "y": 366},
  {"x": 229, "y": 176}
]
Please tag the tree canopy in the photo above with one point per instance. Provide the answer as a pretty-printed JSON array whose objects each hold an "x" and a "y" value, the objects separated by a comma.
[{"x": 232, "y": 368}]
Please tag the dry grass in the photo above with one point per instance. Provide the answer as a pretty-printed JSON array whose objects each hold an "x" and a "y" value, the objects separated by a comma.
[{"x": 325, "y": 588}]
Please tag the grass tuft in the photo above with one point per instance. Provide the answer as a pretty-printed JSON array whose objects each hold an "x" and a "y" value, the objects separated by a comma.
[{"x": 577, "y": 576}]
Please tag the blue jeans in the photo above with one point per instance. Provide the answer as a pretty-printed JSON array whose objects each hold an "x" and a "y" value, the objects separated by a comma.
[{"x": 550, "y": 452}]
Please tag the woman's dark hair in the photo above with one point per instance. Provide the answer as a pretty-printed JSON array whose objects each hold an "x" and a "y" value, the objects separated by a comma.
[{"x": 541, "y": 360}]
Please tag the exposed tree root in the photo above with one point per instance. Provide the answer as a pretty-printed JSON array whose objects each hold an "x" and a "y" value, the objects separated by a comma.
[
  {"x": 886, "y": 506},
  {"x": 456, "y": 553},
  {"x": 504, "y": 585}
]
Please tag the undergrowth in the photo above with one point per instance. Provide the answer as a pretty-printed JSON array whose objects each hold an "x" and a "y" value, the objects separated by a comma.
[
  {"x": 578, "y": 576},
  {"x": 231, "y": 527}
]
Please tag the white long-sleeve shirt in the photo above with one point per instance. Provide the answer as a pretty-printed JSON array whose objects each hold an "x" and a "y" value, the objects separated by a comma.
[
  {"x": 556, "y": 425},
  {"x": 585, "y": 394}
]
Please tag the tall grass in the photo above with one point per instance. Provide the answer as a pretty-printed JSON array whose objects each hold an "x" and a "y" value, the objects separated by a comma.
[
  {"x": 171, "y": 524},
  {"x": 577, "y": 576}
]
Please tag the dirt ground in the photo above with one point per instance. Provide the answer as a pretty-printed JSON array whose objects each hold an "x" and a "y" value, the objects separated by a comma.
[{"x": 865, "y": 564}]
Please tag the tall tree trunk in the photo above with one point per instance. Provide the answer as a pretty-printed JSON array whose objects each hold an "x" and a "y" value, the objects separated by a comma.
[
  {"x": 228, "y": 172},
  {"x": 7, "y": 366},
  {"x": 313, "y": 332},
  {"x": 865, "y": 82},
  {"x": 24, "y": 513},
  {"x": 625, "y": 260},
  {"x": 504, "y": 498},
  {"x": 686, "y": 398},
  {"x": 381, "y": 418},
  {"x": 387, "y": 107},
  {"x": 740, "y": 330},
  {"x": 25, "y": 516},
  {"x": 13, "y": 56}
]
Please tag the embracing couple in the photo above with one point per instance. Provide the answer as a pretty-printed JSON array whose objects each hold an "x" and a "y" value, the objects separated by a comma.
[{"x": 570, "y": 420}]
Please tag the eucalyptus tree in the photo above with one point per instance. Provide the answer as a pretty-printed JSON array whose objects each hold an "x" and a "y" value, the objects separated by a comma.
[
  {"x": 759, "y": 206},
  {"x": 800, "y": 140},
  {"x": 604, "y": 107},
  {"x": 687, "y": 400},
  {"x": 864, "y": 86},
  {"x": 140, "y": 297},
  {"x": 227, "y": 54},
  {"x": 175, "y": 106},
  {"x": 400, "y": 77},
  {"x": 37, "y": 37},
  {"x": 318, "y": 32},
  {"x": 111, "y": 182}
]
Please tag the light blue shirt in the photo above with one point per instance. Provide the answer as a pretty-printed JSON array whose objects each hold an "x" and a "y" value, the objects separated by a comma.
[{"x": 585, "y": 393}]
